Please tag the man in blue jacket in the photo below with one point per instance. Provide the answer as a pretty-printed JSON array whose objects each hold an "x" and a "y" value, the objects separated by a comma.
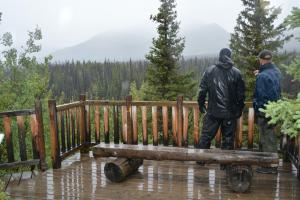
[{"x": 267, "y": 88}]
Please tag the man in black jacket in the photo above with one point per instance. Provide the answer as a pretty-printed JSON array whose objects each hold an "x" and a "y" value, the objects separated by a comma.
[{"x": 226, "y": 95}]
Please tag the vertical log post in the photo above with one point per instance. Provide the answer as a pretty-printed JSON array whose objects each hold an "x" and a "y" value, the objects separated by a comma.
[
  {"x": 196, "y": 126},
  {"x": 34, "y": 130},
  {"x": 73, "y": 128},
  {"x": 97, "y": 125},
  {"x": 179, "y": 120},
  {"x": 124, "y": 125},
  {"x": 22, "y": 143},
  {"x": 165, "y": 125},
  {"x": 106, "y": 124},
  {"x": 250, "y": 127},
  {"x": 174, "y": 125},
  {"x": 185, "y": 126},
  {"x": 218, "y": 138},
  {"x": 56, "y": 161},
  {"x": 144, "y": 124},
  {"x": 8, "y": 139},
  {"x": 154, "y": 125},
  {"x": 82, "y": 121},
  {"x": 239, "y": 133},
  {"x": 134, "y": 125},
  {"x": 129, "y": 119},
  {"x": 116, "y": 125},
  {"x": 88, "y": 124},
  {"x": 78, "y": 129},
  {"x": 62, "y": 132},
  {"x": 68, "y": 130},
  {"x": 40, "y": 135}
]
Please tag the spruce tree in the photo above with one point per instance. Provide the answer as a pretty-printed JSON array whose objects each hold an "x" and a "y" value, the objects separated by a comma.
[
  {"x": 255, "y": 30},
  {"x": 163, "y": 79}
]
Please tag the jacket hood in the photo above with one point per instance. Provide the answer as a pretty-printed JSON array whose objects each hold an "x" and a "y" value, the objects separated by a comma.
[{"x": 225, "y": 59}]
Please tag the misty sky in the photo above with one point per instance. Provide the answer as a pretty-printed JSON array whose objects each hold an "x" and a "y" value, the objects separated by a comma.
[{"x": 68, "y": 22}]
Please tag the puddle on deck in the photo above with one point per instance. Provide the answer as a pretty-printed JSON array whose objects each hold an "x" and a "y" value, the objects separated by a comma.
[{"x": 83, "y": 178}]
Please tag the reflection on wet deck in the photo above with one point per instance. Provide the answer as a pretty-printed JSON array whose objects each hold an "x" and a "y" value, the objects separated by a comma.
[{"x": 82, "y": 177}]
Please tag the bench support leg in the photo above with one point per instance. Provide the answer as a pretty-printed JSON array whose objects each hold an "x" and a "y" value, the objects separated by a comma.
[
  {"x": 119, "y": 169},
  {"x": 239, "y": 177}
]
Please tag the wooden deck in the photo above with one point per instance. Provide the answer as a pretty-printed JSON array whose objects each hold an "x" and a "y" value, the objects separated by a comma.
[{"x": 82, "y": 177}]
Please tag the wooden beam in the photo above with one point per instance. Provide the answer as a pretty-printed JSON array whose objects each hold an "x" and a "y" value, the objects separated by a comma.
[{"x": 185, "y": 154}]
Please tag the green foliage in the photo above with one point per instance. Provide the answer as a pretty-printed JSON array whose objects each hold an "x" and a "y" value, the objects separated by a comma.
[
  {"x": 163, "y": 80},
  {"x": 255, "y": 30},
  {"x": 293, "y": 20},
  {"x": 23, "y": 79},
  {"x": 3, "y": 195},
  {"x": 287, "y": 113}
]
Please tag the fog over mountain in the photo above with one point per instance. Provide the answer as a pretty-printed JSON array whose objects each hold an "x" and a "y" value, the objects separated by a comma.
[{"x": 136, "y": 42}]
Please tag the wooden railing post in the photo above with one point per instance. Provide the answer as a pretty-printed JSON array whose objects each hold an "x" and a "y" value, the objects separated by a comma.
[
  {"x": 40, "y": 135},
  {"x": 83, "y": 131},
  {"x": 129, "y": 119},
  {"x": 250, "y": 128},
  {"x": 179, "y": 120},
  {"x": 56, "y": 161}
]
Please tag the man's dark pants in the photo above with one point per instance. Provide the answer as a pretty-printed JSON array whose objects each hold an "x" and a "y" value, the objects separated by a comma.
[
  {"x": 210, "y": 127},
  {"x": 267, "y": 135}
]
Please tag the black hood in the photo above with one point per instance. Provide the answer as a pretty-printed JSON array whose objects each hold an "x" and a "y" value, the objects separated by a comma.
[{"x": 225, "y": 59}]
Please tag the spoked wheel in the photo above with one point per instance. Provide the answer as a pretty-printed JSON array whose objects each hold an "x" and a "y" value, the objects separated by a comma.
[{"x": 239, "y": 177}]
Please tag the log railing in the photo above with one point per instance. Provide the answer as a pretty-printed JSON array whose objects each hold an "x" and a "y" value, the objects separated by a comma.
[
  {"x": 80, "y": 124},
  {"x": 291, "y": 151},
  {"x": 19, "y": 152}
]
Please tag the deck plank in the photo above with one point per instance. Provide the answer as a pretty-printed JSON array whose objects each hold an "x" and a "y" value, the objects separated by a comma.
[{"x": 82, "y": 177}]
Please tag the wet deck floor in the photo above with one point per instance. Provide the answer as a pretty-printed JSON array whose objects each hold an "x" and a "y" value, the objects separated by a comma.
[{"x": 82, "y": 177}]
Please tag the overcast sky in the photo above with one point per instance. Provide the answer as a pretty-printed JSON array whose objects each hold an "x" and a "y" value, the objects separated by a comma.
[{"x": 68, "y": 22}]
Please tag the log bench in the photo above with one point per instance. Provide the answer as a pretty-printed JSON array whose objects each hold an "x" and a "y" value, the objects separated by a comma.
[{"x": 130, "y": 157}]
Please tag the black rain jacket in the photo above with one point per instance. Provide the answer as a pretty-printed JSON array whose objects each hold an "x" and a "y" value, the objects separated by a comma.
[{"x": 226, "y": 91}]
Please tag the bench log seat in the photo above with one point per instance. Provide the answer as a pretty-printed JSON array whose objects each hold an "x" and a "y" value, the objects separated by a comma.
[{"x": 238, "y": 171}]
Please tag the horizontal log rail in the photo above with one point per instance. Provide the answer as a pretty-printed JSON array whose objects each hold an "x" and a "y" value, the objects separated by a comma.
[
  {"x": 74, "y": 126},
  {"x": 185, "y": 154},
  {"x": 17, "y": 113},
  {"x": 29, "y": 129}
]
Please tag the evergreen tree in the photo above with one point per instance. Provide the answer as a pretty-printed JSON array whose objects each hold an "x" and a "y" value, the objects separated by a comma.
[
  {"x": 163, "y": 80},
  {"x": 255, "y": 31}
]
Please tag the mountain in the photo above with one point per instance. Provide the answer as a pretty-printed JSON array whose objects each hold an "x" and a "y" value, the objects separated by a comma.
[{"x": 136, "y": 42}]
